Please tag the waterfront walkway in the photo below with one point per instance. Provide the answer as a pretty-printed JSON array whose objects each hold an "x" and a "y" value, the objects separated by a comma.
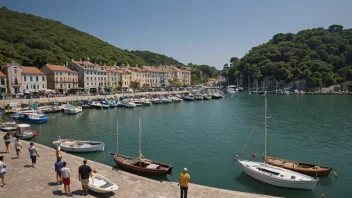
[{"x": 24, "y": 181}]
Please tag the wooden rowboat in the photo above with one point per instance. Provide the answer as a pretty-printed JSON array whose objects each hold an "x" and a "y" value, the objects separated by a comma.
[
  {"x": 101, "y": 184},
  {"x": 300, "y": 167},
  {"x": 140, "y": 165}
]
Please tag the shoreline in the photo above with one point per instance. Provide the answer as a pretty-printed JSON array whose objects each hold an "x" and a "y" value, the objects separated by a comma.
[{"x": 40, "y": 181}]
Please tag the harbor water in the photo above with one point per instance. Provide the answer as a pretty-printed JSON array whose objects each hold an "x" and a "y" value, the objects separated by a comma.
[{"x": 204, "y": 136}]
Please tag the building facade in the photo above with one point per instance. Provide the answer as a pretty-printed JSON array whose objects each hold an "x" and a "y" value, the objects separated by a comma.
[
  {"x": 14, "y": 77},
  {"x": 91, "y": 77},
  {"x": 3, "y": 83},
  {"x": 60, "y": 78},
  {"x": 33, "y": 79}
]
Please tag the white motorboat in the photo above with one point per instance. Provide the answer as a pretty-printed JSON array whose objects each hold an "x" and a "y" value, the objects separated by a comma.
[
  {"x": 145, "y": 102},
  {"x": 166, "y": 100},
  {"x": 112, "y": 103},
  {"x": 206, "y": 97},
  {"x": 79, "y": 146},
  {"x": 105, "y": 104},
  {"x": 190, "y": 97},
  {"x": 72, "y": 109},
  {"x": 199, "y": 97},
  {"x": 174, "y": 99},
  {"x": 8, "y": 126},
  {"x": 24, "y": 131},
  {"x": 273, "y": 175},
  {"x": 130, "y": 105},
  {"x": 100, "y": 184},
  {"x": 97, "y": 105},
  {"x": 156, "y": 101}
]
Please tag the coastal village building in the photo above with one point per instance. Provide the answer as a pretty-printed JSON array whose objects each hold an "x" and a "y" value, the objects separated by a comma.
[
  {"x": 23, "y": 78},
  {"x": 139, "y": 75},
  {"x": 33, "y": 79},
  {"x": 114, "y": 76},
  {"x": 61, "y": 78},
  {"x": 91, "y": 77},
  {"x": 3, "y": 83}
]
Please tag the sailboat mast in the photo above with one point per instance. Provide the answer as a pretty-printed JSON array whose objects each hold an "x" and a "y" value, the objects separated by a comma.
[
  {"x": 117, "y": 135},
  {"x": 140, "y": 133},
  {"x": 265, "y": 124}
]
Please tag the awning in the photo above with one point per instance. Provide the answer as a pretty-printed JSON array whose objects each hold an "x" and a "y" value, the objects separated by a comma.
[{"x": 76, "y": 88}]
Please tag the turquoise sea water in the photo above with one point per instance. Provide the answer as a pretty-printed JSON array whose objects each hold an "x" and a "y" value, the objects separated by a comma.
[{"x": 204, "y": 136}]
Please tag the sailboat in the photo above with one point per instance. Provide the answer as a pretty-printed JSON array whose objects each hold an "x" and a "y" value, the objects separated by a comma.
[
  {"x": 139, "y": 165},
  {"x": 274, "y": 175}
]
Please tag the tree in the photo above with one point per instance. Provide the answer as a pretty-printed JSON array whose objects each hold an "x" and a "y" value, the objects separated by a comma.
[
  {"x": 134, "y": 85},
  {"x": 233, "y": 61},
  {"x": 226, "y": 65},
  {"x": 335, "y": 28}
]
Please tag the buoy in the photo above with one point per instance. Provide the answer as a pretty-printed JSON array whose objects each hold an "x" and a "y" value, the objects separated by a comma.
[
  {"x": 253, "y": 155},
  {"x": 323, "y": 196},
  {"x": 235, "y": 158}
]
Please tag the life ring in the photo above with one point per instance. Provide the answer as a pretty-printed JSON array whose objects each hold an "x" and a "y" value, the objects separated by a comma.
[{"x": 36, "y": 133}]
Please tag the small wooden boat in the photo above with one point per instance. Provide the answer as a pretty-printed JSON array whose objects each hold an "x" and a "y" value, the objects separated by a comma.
[
  {"x": 79, "y": 146},
  {"x": 101, "y": 184},
  {"x": 140, "y": 165},
  {"x": 300, "y": 167}
]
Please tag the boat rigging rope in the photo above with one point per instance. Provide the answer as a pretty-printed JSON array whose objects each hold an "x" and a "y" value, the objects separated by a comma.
[{"x": 253, "y": 128}]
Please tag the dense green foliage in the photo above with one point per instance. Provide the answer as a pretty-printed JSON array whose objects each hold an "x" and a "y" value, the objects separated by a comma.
[
  {"x": 156, "y": 59},
  {"x": 317, "y": 55},
  {"x": 32, "y": 40},
  {"x": 201, "y": 73}
]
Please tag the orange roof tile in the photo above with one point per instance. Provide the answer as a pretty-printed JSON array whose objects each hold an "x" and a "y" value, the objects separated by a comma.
[
  {"x": 59, "y": 68},
  {"x": 31, "y": 70},
  {"x": 2, "y": 74}
]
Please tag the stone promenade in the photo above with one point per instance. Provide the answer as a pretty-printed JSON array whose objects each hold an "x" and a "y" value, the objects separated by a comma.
[{"x": 24, "y": 181}]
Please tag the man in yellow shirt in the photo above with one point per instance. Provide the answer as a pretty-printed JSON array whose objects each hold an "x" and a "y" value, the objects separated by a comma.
[{"x": 183, "y": 182}]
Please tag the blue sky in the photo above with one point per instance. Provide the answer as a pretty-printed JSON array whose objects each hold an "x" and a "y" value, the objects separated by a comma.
[{"x": 197, "y": 31}]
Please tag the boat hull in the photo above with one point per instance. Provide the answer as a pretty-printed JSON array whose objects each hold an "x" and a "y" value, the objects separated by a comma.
[
  {"x": 309, "y": 170},
  {"x": 98, "y": 182},
  {"x": 66, "y": 147},
  {"x": 121, "y": 164},
  {"x": 35, "y": 121},
  {"x": 276, "y": 181}
]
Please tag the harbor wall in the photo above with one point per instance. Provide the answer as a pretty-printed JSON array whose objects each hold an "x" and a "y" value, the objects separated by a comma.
[{"x": 81, "y": 98}]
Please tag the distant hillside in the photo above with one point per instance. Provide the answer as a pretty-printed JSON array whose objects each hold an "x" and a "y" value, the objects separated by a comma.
[
  {"x": 317, "y": 55},
  {"x": 35, "y": 41},
  {"x": 156, "y": 59}
]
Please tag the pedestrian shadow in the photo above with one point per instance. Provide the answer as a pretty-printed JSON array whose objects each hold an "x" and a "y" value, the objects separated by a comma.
[
  {"x": 27, "y": 166},
  {"x": 14, "y": 157},
  {"x": 58, "y": 193},
  {"x": 53, "y": 184},
  {"x": 93, "y": 194},
  {"x": 2, "y": 152}
]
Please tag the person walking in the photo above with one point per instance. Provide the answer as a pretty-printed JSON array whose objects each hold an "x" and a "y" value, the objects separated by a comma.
[
  {"x": 65, "y": 178},
  {"x": 183, "y": 183},
  {"x": 2, "y": 171},
  {"x": 58, "y": 166},
  {"x": 7, "y": 139},
  {"x": 33, "y": 153},
  {"x": 84, "y": 171},
  {"x": 18, "y": 146},
  {"x": 58, "y": 150}
]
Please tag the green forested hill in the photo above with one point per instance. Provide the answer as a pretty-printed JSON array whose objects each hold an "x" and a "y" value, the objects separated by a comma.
[
  {"x": 317, "y": 55},
  {"x": 156, "y": 59},
  {"x": 33, "y": 40}
]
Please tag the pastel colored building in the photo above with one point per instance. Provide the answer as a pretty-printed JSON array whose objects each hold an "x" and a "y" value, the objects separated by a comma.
[
  {"x": 14, "y": 77},
  {"x": 3, "y": 83},
  {"x": 60, "y": 78},
  {"x": 33, "y": 79}
]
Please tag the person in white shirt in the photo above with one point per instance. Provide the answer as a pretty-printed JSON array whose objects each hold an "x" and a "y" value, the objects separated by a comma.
[
  {"x": 18, "y": 146},
  {"x": 2, "y": 170},
  {"x": 65, "y": 178}
]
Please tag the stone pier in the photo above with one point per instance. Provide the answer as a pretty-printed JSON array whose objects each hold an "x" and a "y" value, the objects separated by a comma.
[{"x": 24, "y": 181}]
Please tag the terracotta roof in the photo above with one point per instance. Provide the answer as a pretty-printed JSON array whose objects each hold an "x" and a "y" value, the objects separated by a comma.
[
  {"x": 2, "y": 74},
  {"x": 83, "y": 63},
  {"x": 59, "y": 68},
  {"x": 31, "y": 70}
]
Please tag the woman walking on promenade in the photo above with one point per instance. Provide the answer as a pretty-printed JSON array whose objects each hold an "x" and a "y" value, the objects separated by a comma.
[
  {"x": 58, "y": 166},
  {"x": 7, "y": 139},
  {"x": 18, "y": 146},
  {"x": 65, "y": 178},
  {"x": 33, "y": 153}
]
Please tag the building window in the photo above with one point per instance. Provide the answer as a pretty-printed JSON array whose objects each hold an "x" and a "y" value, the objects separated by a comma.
[
  {"x": 57, "y": 73},
  {"x": 37, "y": 78},
  {"x": 60, "y": 73},
  {"x": 43, "y": 85},
  {"x": 69, "y": 85},
  {"x": 24, "y": 78},
  {"x": 31, "y": 78},
  {"x": 57, "y": 79},
  {"x": 37, "y": 86},
  {"x": 61, "y": 79},
  {"x": 61, "y": 85},
  {"x": 15, "y": 70},
  {"x": 69, "y": 73},
  {"x": 43, "y": 78},
  {"x": 87, "y": 78}
]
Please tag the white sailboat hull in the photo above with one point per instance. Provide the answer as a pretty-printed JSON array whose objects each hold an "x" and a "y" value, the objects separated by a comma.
[{"x": 284, "y": 178}]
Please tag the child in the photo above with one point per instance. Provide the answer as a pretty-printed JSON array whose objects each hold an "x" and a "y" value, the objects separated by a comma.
[
  {"x": 58, "y": 166},
  {"x": 18, "y": 146},
  {"x": 65, "y": 177},
  {"x": 2, "y": 170},
  {"x": 33, "y": 153}
]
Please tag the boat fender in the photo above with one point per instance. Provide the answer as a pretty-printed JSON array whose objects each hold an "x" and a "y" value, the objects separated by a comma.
[
  {"x": 253, "y": 155},
  {"x": 335, "y": 174},
  {"x": 323, "y": 196},
  {"x": 235, "y": 158}
]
